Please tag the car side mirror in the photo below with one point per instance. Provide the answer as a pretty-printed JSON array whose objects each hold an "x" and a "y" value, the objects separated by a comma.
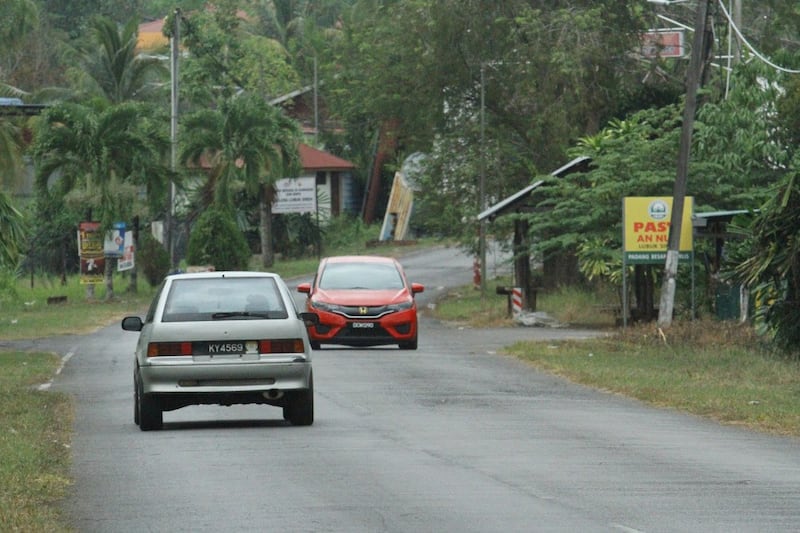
[
  {"x": 132, "y": 323},
  {"x": 417, "y": 287},
  {"x": 304, "y": 288},
  {"x": 310, "y": 319}
]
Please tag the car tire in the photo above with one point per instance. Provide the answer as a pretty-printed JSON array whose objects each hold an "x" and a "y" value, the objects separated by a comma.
[
  {"x": 299, "y": 409},
  {"x": 135, "y": 400},
  {"x": 314, "y": 345},
  {"x": 410, "y": 345},
  {"x": 150, "y": 415}
]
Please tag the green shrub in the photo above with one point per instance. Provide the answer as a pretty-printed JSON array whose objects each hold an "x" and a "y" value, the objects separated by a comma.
[
  {"x": 152, "y": 258},
  {"x": 349, "y": 233},
  {"x": 216, "y": 240},
  {"x": 8, "y": 287}
]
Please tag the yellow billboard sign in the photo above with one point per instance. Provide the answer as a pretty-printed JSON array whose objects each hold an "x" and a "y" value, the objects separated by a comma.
[{"x": 646, "y": 225}]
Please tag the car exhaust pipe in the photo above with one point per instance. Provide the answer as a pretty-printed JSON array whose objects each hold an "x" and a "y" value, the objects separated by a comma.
[{"x": 273, "y": 394}]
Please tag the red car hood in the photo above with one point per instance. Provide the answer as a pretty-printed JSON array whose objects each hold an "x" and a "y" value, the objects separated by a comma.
[{"x": 356, "y": 297}]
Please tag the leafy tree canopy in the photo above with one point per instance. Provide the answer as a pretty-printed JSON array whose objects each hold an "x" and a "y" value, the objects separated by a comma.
[{"x": 227, "y": 57}]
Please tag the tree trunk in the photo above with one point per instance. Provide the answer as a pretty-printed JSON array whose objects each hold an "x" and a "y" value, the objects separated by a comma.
[
  {"x": 265, "y": 226},
  {"x": 109, "y": 278},
  {"x": 134, "y": 285}
]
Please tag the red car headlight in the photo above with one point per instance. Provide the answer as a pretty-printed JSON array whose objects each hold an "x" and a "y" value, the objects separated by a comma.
[
  {"x": 323, "y": 306},
  {"x": 401, "y": 306}
]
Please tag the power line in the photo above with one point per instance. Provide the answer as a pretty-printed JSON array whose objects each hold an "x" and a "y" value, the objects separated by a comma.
[{"x": 750, "y": 47}]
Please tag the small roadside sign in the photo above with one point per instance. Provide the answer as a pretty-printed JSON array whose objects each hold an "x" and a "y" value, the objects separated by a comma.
[
  {"x": 646, "y": 223},
  {"x": 295, "y": 195},
  {"x": 662, "y": 43}
]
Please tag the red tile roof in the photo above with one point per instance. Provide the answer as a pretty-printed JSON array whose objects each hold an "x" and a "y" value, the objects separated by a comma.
[
  {"x": 313, "y": 159},
  {"x": 310, "y": 159}
]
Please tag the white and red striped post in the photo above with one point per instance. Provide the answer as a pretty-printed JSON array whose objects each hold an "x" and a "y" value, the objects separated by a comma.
[{"x": 516, "y": 301}]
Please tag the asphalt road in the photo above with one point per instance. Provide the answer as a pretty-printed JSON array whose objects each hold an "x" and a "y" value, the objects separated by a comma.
[{"x": 453, "y": 437}]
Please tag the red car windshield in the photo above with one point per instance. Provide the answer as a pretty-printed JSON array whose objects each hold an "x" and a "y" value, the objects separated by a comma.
[{"x": 373, "y": 276}]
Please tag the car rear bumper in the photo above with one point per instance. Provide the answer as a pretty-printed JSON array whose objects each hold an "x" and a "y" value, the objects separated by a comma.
[{"x": 225, "y": 378}]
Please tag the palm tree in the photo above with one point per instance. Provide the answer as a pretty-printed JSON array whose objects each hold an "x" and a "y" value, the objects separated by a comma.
[
  {"x": 20, "y": 16},
  {"x": 111, "y": 68},
  {"x": 11, "y": 169},
  {"x": 10, "y": 151},
  {"x": 92, "y": 157},
  {"x": 246, "y": 141},
  {"x": 13, "y": 235}
]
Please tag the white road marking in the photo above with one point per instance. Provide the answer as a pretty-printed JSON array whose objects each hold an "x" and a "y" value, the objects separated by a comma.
[{"x": 67, "y": 356}]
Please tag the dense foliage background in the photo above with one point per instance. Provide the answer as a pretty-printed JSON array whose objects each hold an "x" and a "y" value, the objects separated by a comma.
[{"x": 496, "y": 92}]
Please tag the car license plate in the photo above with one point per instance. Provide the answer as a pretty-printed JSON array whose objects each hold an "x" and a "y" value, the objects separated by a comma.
[
  {"x": 221, "y": 348},
  {"x": 365, "y": 325}
]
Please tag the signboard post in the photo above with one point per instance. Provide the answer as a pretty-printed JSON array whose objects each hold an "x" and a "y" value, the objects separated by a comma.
[{"x": 645, "y": 236}]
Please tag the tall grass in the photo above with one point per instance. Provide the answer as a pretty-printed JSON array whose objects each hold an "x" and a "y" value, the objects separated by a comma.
[
  {"x": 26, "y": 313},
  {"x": 34, "y": 444},
  {"x": 717, "y": 369},
  {"x": 580, "y": 307},
  {"x": 568, "y": 305}
]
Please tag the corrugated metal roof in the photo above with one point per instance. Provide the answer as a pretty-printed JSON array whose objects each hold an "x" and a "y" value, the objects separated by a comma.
[
  {"x": 701, "y": 220},
  {"x": 499, "y": 207},
  {"x": 520, "y": 196}
]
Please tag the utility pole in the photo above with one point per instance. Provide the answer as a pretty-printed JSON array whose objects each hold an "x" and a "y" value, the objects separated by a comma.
[
  {"x": 316, "y": 104},
  {"x": 697, "y": 60},
  {"x": 482, "y": 187},
  {"x": 737, "y": 21},
  {"x": 174, "y": 54}
]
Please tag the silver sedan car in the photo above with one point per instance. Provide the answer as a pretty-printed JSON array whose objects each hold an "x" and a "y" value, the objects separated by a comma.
[{"x": 222, "y": 338}]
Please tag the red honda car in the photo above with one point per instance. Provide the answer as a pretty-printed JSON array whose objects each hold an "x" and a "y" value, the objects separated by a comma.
[{"x": 362, "y": 300}]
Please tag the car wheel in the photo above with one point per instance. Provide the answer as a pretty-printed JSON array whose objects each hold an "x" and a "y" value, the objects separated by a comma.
[
  {"x": 299, "y": 409},
  {"x": 135, "y": 400},
  {"x": 410, "y": 345},
  {"x": 149, "y": 411},
  {"x": 314, "y": 345}
]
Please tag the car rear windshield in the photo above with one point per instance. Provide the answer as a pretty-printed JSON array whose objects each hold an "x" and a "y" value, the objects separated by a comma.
[
  {"x": 192, "y": 300},
  {"x": 360, "y": 276}
]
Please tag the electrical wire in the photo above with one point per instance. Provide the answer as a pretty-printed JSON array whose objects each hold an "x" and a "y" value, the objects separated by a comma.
[{"x": 750, "y": 47}]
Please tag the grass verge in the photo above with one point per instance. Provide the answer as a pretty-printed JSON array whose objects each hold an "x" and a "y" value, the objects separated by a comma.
[
  {"x": 34, "y": 444},
  {"x": 709, "y": 368},
  {"x": 568, "y": 305},
  {"x": 716, "y": 369},
  {"x": 29, "y": 315}
]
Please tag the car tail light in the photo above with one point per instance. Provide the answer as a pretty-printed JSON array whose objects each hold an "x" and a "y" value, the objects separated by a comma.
[
  {"x": 157, "y": 349},
  {"x": 281, "y": 346}
]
